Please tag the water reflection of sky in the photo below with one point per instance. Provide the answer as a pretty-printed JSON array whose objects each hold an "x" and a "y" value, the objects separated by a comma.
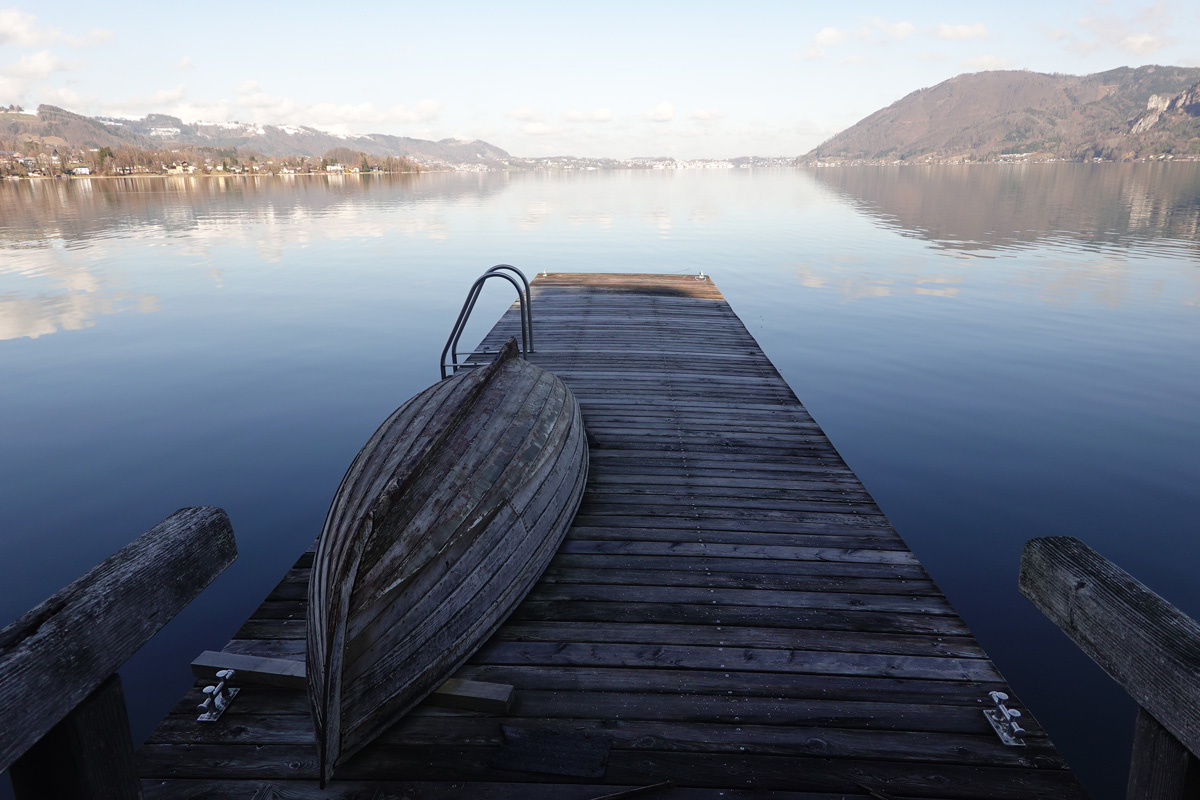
[
  {"x": 999, "y": 353},
  {"x": 62, "y": 238}
]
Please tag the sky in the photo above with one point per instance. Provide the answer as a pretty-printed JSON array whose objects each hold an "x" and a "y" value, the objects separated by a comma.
[{"x": 618, "y": 80}]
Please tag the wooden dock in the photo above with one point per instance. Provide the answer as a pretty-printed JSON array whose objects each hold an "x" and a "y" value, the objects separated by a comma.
[{"x": 730, "y": 612}]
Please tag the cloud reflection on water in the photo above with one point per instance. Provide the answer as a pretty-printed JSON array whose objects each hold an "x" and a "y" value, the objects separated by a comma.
[
  {"x": 67, "y": 243},
  {"x": 64, "y": 239}
]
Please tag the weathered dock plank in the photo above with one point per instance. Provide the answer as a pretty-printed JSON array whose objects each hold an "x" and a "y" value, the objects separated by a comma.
[{"x": 730, "y": 610}]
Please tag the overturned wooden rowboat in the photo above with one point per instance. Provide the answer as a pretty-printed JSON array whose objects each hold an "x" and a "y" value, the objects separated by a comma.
[{"x": 443, "y": 523}]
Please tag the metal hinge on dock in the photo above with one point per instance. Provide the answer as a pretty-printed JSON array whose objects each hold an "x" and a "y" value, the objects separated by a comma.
[
  {"x": 1004, "y": 721},
  {"x": 217, "y": 698}
]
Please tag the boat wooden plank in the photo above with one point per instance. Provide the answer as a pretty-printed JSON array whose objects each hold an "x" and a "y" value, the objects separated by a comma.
[
  {"x": 711, "y": 614},
  {"x": 741, "y": 636},
  {"x": 786, "y": 640},
  {"x": 691, "y": 489},
  {"x": 912, "y": 573},
  {"x": 185, "y": 789},
  {"x": 728, "y": 682},
  {"x": 722, "y": 550},
  {"x": 757, "y": 598},
  {"x": 539, "y": 686},
  {"x": 700, "y": 577},
  {"x": 739, "y": 580},
  {"x": 820, "y": 538},
  {"x": 801, "y": 523},
  {"x": 681, "y": 505},
  {"x": 748, "y": 659},
  {"x": 696, "y": 737},
  {"x": 632, "y": 767}
]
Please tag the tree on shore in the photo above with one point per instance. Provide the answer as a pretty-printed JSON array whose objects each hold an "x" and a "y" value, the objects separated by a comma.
[{"x": 20, "y": 157}]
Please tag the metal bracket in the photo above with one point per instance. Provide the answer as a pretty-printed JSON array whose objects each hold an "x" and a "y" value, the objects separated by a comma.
[
  {"x": 217, "y": 698},
  {"x": 1004, "y": 721}
]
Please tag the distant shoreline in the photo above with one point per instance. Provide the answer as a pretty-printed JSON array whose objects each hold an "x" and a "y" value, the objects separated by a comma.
[
  {"x": 368, "y": 175},
  {"x": 239, "y": 175}
]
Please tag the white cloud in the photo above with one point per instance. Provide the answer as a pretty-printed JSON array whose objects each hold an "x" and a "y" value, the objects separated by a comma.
[
  {"x": 269, "y": 109},
  {"x": 708, "y": 115},
  {"x": 36, "y": 66},
  {"x": 19, "y": 78},
  {"x": 599, "y": 115},
  {"x": 65, "y": 98},
  {"x": 826, "y": 37},
  {"x": 96, "y": 36},
  {"x": 986, "y": 62},
  {"x": 160, "y": 99},
  {"x": 252, "y": 104},
  {"x": 11, "y": 89},
  {"x": 525, "y": 114},
  {"x": 21, "y": 29},
  {"x": 334, "y": 114},
  {"x": 1142, "y": 44},
  {"x": 1139, "y": 34},
  {"x": 538, "y": 129},
  {"x": 663, "y": 112},
  {"x": 962, "y": 33},
  {"x": 877, "y": 29},
  {"x": 185, "y": 63}
]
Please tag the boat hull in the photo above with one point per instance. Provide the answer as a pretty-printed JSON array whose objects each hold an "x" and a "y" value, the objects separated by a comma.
[{"x": 441, "y": 526}]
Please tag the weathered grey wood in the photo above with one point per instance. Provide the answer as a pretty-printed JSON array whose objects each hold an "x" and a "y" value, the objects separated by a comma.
[
  {"x": 1161, "y": 767},
  {"x": 553, "y": 752},
  {"x": 252, "y": 670},
  {"x": 457, "y": 790},
  {"x": 627, "y": 767},
  {"x": 442, "y": 523},
  {"x": 493, "y": 698},
  {"x": 86, "y": 756},
  {"x": 745, "y": 659},
  {"x": 61, "y": 651},
  {"x": 1145, "y": 644},
  {"x": 426, "y": 730},
  {"x": 730, "y": 607}
]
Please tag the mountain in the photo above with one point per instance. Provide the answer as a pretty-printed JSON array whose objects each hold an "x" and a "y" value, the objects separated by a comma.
[
  {"x": 57, "y": 127},
  {"x": 989, "y": 114}
]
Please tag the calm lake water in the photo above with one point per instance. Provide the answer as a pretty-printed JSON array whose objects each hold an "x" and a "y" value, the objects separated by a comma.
[{"x": 1000, "y": 352}]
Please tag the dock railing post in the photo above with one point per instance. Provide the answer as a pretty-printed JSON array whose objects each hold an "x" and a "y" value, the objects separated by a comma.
[
  {"x": 66, "y": 728},
  {"x": 1144, "y": 643}
]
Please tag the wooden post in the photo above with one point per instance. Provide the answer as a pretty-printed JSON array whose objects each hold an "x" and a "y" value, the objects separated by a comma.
[
  {"x": 1148, "y": 646},
  {"x": 1162, "y": 768},
  {"x": 62, "y": 702},
  {"x": 86, "y": 756}
]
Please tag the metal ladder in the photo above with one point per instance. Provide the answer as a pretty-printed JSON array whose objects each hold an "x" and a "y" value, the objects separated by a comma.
[{"x": 524, "y": 301}]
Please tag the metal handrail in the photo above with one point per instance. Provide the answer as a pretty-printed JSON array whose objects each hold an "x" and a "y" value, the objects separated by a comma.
[
  {"x": 460, "y": 324},
  {"x": 528, "y": 301}
]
